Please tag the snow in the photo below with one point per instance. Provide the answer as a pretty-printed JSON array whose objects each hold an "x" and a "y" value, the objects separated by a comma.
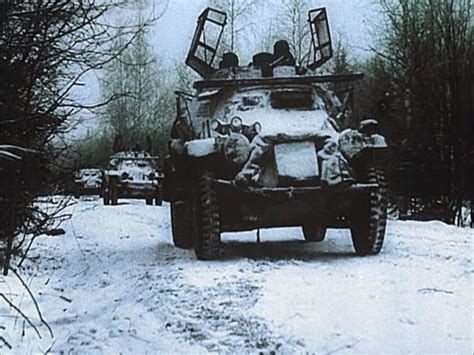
[
  {"x": 201, "y": 147},
  {"x": 297, "y": 160},
  {"x": 114, "y": 283},
  {"x": 424, "y": 307},
  {"x": 289, "y": 123}
]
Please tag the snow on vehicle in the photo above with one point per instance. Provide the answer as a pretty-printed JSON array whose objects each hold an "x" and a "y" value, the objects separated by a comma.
[
  {"x": 132, "y": 175},
  {"x": 265, "y": 145},
  {"x": 87, "y": 182}
]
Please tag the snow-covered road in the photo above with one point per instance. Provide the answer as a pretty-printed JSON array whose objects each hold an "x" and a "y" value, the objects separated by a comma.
[{"x": 115, "y": 283}]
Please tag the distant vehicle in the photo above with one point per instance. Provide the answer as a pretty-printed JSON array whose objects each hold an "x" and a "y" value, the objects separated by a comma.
[
  {"x": 87, "y": 182},
  {"x": 267, "y": 145},
  {"x": 132, "y": 175}
]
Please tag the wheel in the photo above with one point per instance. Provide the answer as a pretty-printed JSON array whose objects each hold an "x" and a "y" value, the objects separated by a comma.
[
  {"x": 182, "y": 224},
  {"x": 206, "y": 214},
  {"x": 313, "y": 232},
  {"x": 369, "y": 220},
  {"x": 158, "y": 199},
  {"x": 105, "y": 196},
  {"x": 113, "y": 193},
  {"x": 149, "y": 201}
]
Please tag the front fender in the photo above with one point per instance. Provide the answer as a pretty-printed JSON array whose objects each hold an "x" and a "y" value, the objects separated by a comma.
[
  {"x": 112, "y": 173},
  {"x": 375, "y": 141}
]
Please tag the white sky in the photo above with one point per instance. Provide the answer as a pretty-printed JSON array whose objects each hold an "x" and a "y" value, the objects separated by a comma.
[{"x": 352, "y": 19}]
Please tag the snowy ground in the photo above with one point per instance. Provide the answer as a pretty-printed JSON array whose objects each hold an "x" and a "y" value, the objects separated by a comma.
[{"x": 115, "y": 283}]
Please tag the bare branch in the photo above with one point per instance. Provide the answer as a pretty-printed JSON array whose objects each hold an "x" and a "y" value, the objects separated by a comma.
[
  {"x": 34, "y": 301},
  {"x": 18, "y": 310}
]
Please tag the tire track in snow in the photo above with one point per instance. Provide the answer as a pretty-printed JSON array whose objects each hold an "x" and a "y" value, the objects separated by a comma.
[{"x": 215, "y": 317}]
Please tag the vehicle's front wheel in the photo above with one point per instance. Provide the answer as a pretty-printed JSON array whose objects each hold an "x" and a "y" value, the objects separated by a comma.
[
  {"x": 207, "y": 218},
  {"x": 158, "y": 199},
  {"x": 113, "y": 192},
  {"x": 369, "y": 217},
  {"x": 182, "y": 224},
  {"x": 314, "y": 232},
  {"x": 106, "y": 196}
]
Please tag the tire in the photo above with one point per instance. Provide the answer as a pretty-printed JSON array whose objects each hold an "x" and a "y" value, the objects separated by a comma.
[
  {"x": 158, "y": 199},
  {"x": 314, "y": 233},
  {"x": 207, "y": 218},
  {"x": 76, "y": 193},
  {"x": 113, "y": 193},
  {"x": 182, "y": 224},
  {"x": 369, "y": 220},
  {"x": 105, "y": 196}
]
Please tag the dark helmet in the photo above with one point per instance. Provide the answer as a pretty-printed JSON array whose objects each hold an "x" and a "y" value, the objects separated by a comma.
[
  {"x": 229, "y": 60},
  {"x": 281, "y": 47}
]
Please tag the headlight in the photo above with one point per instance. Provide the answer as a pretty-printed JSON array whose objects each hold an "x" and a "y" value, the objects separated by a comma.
[
  {"x": 257, "y": 127},
  {"x": 236, "y": 123},
  {"x": 215, "y": 125},
  {"x": 151, "y": 176},
  {"x": 124, "y": 175},
  {"x": 237, "y": 148}
]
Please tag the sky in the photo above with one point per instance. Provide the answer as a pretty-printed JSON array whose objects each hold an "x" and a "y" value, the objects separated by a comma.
[{"x": 353, "y": 20}]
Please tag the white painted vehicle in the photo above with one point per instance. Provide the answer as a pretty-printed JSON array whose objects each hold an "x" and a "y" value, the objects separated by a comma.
[
  {"x": 266, "y": 145},
  {"x": 87, "y": 182},
  {"x": 132, "y": 175}
]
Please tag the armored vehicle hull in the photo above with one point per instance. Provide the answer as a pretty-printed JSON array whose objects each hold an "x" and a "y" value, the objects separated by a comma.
[
  {"x": 87, "y": 182},
  {"x": 268, "y": 145},
  {"x": 131, "y": 175}
]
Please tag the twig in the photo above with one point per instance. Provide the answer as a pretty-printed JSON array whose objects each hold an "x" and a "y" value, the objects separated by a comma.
[
  {"x": 65, "y": 299},
  {"x": 5, "y": 342},
  {"x": 50, "y": 347},
  {"x": 34, "y": 301},
  {"x": 30, "y": 244},
  {"x": 21, "y": 313}
]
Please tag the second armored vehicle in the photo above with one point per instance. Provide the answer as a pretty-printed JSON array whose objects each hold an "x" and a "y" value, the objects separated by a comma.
[
  {"x": 132, "y": 175},
  {"x": 87, "y": 182}
]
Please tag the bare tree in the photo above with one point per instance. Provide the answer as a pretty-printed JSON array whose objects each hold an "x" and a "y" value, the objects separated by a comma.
[
  {"x": 266, "y": 30},
  {"x": 428, "y": 48},
  {"x": 239, "y": 21},
  {"x": 295, "y": 28},
  {"x": 137, "y": 80}
]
